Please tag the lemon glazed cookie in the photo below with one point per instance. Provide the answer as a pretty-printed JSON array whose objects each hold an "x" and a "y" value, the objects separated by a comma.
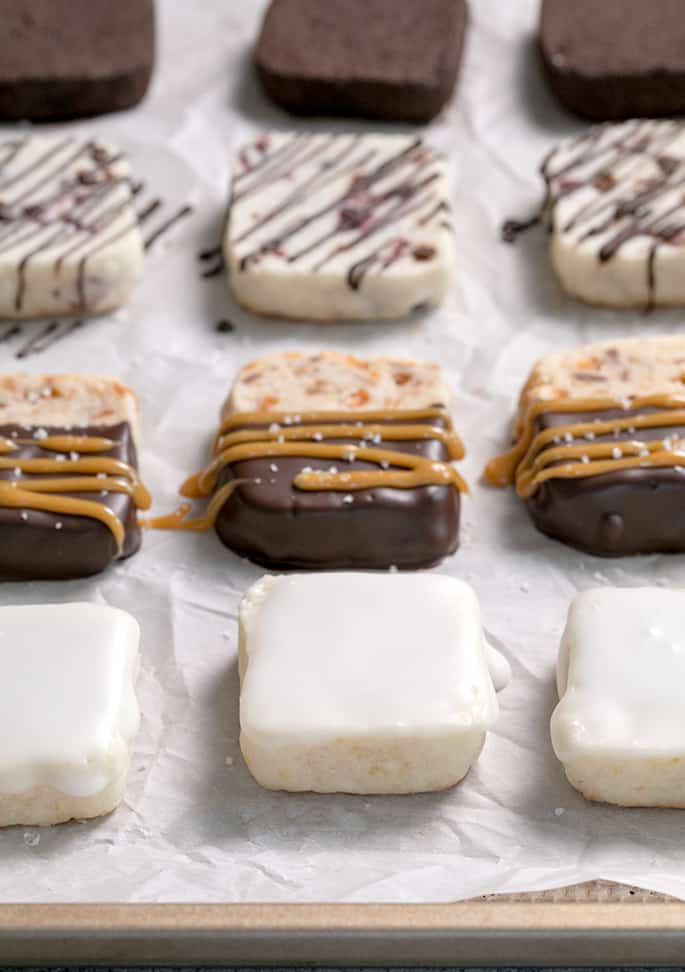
[
  {"x": 68, "y": 711},
  {"x": 599, "y": 454},
  {"x": 363, "y": 683},
  {"x": 619, "y": 728}
]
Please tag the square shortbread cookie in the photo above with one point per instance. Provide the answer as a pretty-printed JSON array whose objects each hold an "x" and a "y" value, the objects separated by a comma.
[
  {"x": 619, "y": 728},
  {"x": 599, "y": 446},
  {"x": 338, "y": 416},
  {"x": 69, "y": 236},
  {"x": 616, "y": 211},
  {"x": 362, "y": 683},
  {"x": 68, "y": 710},
  {"x": 338, "y": 227},
  {"x": 69, "y": 484}
]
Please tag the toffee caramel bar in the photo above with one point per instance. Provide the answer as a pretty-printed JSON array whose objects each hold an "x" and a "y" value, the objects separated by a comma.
[
  {"x": 329, "y": 461},
  {"x": 599, "y": 453},
  {"x": 69, "y": 487}
]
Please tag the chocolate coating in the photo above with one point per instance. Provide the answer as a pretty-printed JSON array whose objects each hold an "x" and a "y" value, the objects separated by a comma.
[
  {"x": 630, "y": 511},
  {"x": 62, "y": 59},
  {"x": 613, "y": 59},
  {"x": 392, "y": 59},
  {"x": 33, "y": 549},
  {"x": 279, "y": 526}
]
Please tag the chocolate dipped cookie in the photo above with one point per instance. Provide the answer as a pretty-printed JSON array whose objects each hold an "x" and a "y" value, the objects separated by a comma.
[
  {"x": 599, "y": 447},
  {"x": 69, "y": 485},
  {"x": 330, "y": 461}
]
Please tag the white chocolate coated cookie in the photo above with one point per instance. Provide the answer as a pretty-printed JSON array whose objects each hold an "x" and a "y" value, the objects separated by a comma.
[
  {"x": 338, "y": 227},
  {"x": 619, "y": 728},
  {"x": 68, "y": 710},
  {"x": 69, "y": 236},
  {"x": 616, "y": 213},
  {"x": 363, "y": 683}
]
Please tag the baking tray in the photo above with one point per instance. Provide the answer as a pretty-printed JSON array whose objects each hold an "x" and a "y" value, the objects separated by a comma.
[{"x": 598, "y": 923}]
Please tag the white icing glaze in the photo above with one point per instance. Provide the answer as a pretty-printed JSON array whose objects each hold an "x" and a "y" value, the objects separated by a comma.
[
  {"x": 354, "y": 654},
  {"x": 72, "y": 243},
  {"x": 498, "y": 666},
  {"x": 620, "y": 676},
  {"x": 68, "y": 709},
  {"x": 302, "y": 227}
]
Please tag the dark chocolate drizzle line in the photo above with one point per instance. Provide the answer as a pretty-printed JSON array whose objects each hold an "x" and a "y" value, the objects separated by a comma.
[
  {"x": 212, "y": 254},
  {"x": 11, "y": 332},
  {"x": 148, "y": 210},
  {"x": 633, "y": 215},
  {"x": 213, "y": 271},
  {"x": 278, "y": 165},
  {"x": 325, "y": 175},
  {"x": 359, "y": 185},
  {"x": 80, "y": 219},
  {"x": 512, "y": 228},
  {"x": 41, "y": 160},
  {"x": 52, "y": 333},
  {"x": 266, "y": 158},
  {"x": 396, "y": 212},
  {"x": 166, "y": 226}
]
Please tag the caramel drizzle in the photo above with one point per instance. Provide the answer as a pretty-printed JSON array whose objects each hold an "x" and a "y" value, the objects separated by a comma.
[
  {"x": 531, "y": 461},
  {"x": 298, "y": 436},
  {"x": 91, "y": 474}
]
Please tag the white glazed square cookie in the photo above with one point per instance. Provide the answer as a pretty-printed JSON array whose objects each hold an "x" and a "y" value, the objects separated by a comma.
[
  {"x": 616, "y": 213},
  {"x": 362, "y": 683},
  {"x": 68, "y": 710},
  {"x": 338, "y": 227},
  {"x": 619, "y": 728},
  {"x": 69, "y": 236}
]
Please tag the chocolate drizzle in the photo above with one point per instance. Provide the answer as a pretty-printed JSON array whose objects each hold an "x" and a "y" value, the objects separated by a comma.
[
  {"x": 167, "y": 225},
  {"x": 72, "y": 197},
  {"x": 348, "y": 191},
  {"x": 637, "y": 178}
]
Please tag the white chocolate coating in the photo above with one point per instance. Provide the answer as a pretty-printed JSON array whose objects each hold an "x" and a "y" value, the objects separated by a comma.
[
  {"x": 363, "y": 683},
  {"x": 619, "y": 728},
  {"x": 69, "y": 236},
  {"x": 338, "y": 227},
  {"x": 68, "y": 710},
  {"x": 617, "y": 215}
]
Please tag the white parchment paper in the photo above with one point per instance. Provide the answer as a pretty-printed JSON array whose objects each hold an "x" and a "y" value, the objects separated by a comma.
[{"x": 195, "y": 826}]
